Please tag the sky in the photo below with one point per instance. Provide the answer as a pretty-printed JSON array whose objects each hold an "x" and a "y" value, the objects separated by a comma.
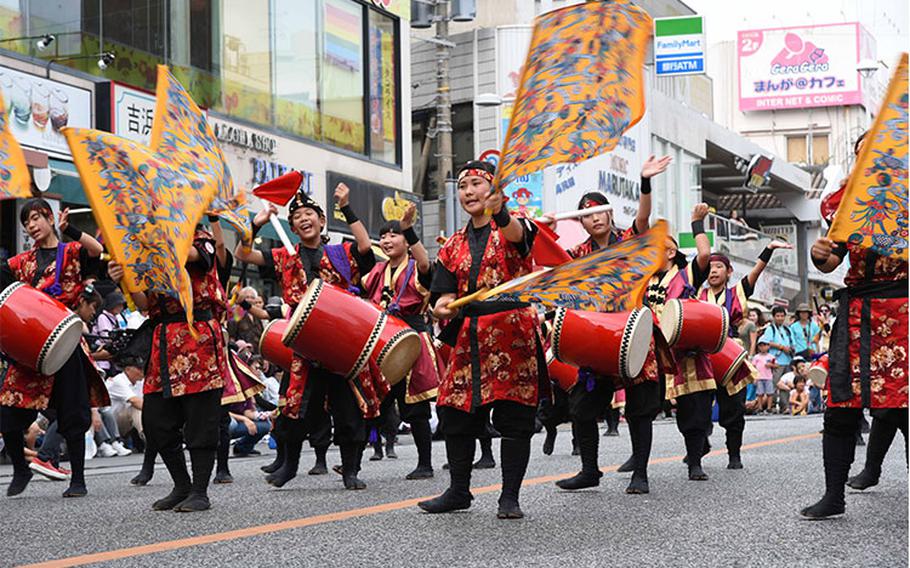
[{"x": 887, "y": 20}]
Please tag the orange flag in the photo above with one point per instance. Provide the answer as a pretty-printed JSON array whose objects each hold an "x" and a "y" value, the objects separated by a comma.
[
  {"x": 873, "y": 210},
  {"x": 582, "y": 86},
  {"x": 14, "y": 179}
]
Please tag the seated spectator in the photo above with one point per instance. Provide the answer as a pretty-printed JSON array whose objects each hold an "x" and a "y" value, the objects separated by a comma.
[
  {"x": 752, "y": 400},
  {"x": 248, "y": 426},
  {"x": 799, "y": 398},
  {"x": 125, "y": 390},
  {"x": 787, "y": 380},
  {"x": 764, "y": 385},
  {"x": 107, "y": 435}
]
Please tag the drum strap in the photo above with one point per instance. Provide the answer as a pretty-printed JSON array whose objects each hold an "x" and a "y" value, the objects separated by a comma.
[
  {"x": 339, "y": 259},
  {"x": 394, "y": 307},
  {"x": 55, "y": 289},
  {"x": 839, "y": 350}
]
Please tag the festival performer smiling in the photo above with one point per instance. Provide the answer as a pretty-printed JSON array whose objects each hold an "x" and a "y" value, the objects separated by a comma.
[{"x": 497, "y": 361}]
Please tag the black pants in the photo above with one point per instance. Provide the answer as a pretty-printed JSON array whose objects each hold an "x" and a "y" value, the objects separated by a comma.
[
  {"x": 885, "y": 424},
  {"x": 555, "y": 411},
  {"x": 347, "y": 421},
  {"x": 732, "y": 417},
  {"x": 693, "y": 419},
  {"x": 510, "y": 419},
  {"x": 192, "y": 419}
]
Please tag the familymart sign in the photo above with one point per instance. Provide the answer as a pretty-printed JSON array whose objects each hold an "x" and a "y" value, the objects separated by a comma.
[{"x": 679, "y": 45}]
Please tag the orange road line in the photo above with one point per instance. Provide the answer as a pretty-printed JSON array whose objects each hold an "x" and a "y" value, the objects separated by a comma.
[{"x": 247, "y": 532}]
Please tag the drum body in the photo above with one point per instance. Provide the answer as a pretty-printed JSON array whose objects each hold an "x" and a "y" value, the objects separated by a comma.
[
  {"x": 562, "y": 374},
  {"x": 695, "y": 325},
  {"x": 342, "y": 333},
  {"x": 818, "y": 372},
  {"x": 36, "y": 330},
  {"x": 272, "y": 349},
  {"x": 614, "y": 344},
  {"x": 727, "y": 361}
]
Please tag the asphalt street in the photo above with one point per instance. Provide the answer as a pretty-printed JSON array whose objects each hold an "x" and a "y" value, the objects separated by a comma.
[{"x": 736, "y": 518}]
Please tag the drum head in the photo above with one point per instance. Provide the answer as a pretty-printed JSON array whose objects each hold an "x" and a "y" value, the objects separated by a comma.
[
  {"x": 817, "y": 375},
  {"x": 671, "y": 321},
  {"x": 59, "y": 346},
  {"x": 636, "y": 342},
  {"x": 399, "y": 355},
  {"x": 265, "y": 332}
]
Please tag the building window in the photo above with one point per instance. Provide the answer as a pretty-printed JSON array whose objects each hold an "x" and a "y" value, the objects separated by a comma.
[
  {"x": 342, "y": 74},
  {"x": 246, "y": 66},
  {"x": 800, "y": 151},
  {"x": 297, "y": 68},
  {"x": 383, "y": 100}
]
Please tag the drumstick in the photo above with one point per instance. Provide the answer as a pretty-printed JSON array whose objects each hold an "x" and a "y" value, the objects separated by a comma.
[
  {"x": 276, "y": 224},
  {"x": 578, "y": 213},
  {"x": 465, "y": 300},
  {"x": 360, "y": 401}
]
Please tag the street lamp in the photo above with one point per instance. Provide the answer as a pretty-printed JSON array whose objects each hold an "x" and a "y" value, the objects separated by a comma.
[
  {"x": 487, "y": 100},
  {"x": 105, "y": 59},
  {"x": 868, "y": 67},
  {"x": 44, "y": 40}
]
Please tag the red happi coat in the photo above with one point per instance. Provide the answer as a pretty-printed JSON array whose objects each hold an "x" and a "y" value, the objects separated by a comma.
[
  {"x": 886, "y": 332},
  {"x": 734, "y": 300},
  {"x": 411, "y": 299},
  {"x": 652, "y": 370},
  {"x": 693, "y": 371},
  {"x": 194, "y": 364},
  {"x": 23, "y": 387},
  {"x": 290, "y": 272},
  {"x": 507, "y": 341}
]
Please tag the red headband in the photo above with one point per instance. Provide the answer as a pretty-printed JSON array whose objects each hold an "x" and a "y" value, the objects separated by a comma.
[{"x": 476, "y": 172}]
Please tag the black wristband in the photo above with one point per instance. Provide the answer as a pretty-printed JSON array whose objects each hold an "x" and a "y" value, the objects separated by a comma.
[
  {"x": 818, "y": 263},
  {"x": 645, "y": 186},
  {"x": 213, "y": 218},
  {"x": 349, "y": 216},
  {"x": 502, "y": 218},
  {"x": 698, "y": 227},
  {"x": 410, "y": 235},
  {"x": 765, "y": 255},
  {"x": 255, "y": 229},
  {"x": 72, "y": 232}
]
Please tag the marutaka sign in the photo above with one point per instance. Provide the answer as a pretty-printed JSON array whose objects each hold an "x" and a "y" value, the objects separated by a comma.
[{"x": 679, "y": 45}]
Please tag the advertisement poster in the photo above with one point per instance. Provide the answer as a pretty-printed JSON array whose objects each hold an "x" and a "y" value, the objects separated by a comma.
[
  {"x": 799, "y": 67},
  {"x": 39, "y": 108},
  {"x": 526, "y": 195},
  {"x": 374, "y": 203}
]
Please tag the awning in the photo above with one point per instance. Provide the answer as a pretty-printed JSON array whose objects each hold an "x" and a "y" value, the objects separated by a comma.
[{"x": 65, "y": 182}]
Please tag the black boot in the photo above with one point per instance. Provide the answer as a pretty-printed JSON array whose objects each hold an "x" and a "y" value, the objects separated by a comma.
[
  {"x": 550, "y": 441},
  {"x": 514, "y": 454},
  {"x": 837, "y": 454},
  {"x": 706, "y": 449},
  {"x": 377, "y": 448},
  {"x": 695, "y": 446},
  {"x": 390, "y": 448},
  {"x": 486, "y": 460},
  {"x": 423, "y": 439},
  {"x": 148, "y": 466},
  {"x": 575, "y": 449},
  {"x": 629, "y": 464},
  {"x": 351, "y": 454},
  {"x": 641, "y": 431},
  {"x": 75, "y": 446},
  {"x": 222, "y": 471},
  {"x": 288, "y": 469},
  {"x": 203, "y": 461},
  {"x": 320, "y": 467},
  {"x": 280, "y": 452},
  {"x": 612, "y": 420},
  {"x": 460, "y": 453},
  {"x": 590, "y": 474},
  {"x": 881, "y": 434},
  {"x": 734, "y": 445},
  {"x": 175, "y": 462},
  {"x": 15, "y": 449}
]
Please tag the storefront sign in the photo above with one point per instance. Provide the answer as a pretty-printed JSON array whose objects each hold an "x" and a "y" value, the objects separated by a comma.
[
  {"x": 784, "y": 259},
  {"x": 243, "y": 138},
  {"x": 526, "y": 195},
  {"x": 264, "y": 170},
  {"x": 132, "y": 113},
  {"x": 39, "y": 108},
  {"x": 679, "y": 46},
  {"x": 799, "y": 67},
  {"x": 401, "y": 8},
  {"x": 374, "y": 204}
]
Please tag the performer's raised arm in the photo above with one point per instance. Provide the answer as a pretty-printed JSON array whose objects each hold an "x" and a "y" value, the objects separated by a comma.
[
  {"x": 649, "y": 169},
  {"x": 91, "y": 245}
]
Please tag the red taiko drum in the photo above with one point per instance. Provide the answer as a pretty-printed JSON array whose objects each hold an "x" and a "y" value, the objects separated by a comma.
[
  {"x": 614, "y": 344},
  {"x": 695, "y": 325},
  {"x": 342, "y": 332},
  {"x": 36, "y": 330},
  {"x": 271, "y": 348},
  {"x": 818, "y": 372},
  {"x": 562, "y": 374},
  {"x": 727, "y": 361}
]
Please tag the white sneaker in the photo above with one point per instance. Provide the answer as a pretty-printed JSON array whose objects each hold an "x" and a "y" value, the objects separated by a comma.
[
  {"x": 120, "y": 448},
  {"x": 105, "y": 450}
]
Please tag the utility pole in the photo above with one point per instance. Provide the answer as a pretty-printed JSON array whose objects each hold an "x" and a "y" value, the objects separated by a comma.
[{"x": 445, "y": 183}]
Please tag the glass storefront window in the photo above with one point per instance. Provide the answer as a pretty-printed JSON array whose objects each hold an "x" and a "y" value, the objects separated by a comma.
[
  {"x": 383, "y": 99},
  {"x": 341, "y": 80},
  {"x": 296, "y": 55},
  {"x": 245, "y": 63}
]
